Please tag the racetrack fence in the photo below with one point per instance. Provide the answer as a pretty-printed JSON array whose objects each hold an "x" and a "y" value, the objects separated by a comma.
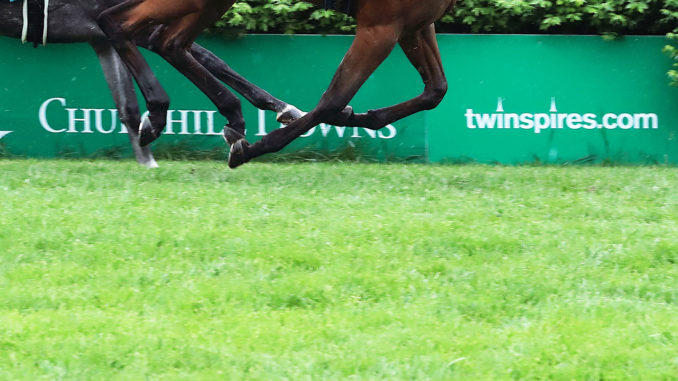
[{"x": 512, "y": 99}]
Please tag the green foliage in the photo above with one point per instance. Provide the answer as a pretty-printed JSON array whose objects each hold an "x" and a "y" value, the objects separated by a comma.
[
  {"x": 672, "y": 51},
  {"x": 608, "y": 17},
  {"x": 670, "y": 13},
  {"x": 561, "y": 16},
  {"x": 282, "y": 16}
]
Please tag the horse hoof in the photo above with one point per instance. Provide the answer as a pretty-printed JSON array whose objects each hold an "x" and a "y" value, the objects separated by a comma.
[
  {"x": 146, "y": 133},
  {"x": 289, "y": 114},
  {"x": 147, "y": 161},
  {"x": 238, "y": 154},
  {"x": 232, "y": 136},
  {"x": 151, "y": 164}
]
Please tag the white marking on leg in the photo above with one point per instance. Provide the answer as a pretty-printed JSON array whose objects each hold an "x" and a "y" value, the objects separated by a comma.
[
  {"x": 289, "y": 108},
  {"x": 45, "y": 23},
  {"x": 24, "y": 29},
  {"x": 143, "y": 121},
  {"x": 151, "y": 163},
  {"x": 286, "y": 109}
]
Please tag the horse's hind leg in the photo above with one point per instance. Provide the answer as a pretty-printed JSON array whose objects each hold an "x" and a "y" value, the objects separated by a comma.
[
  {"x": 261, "y": 99},
  {"x": 369, "y": 49},
  {"x": 121, "y": 86},
  {"x": 172, "y": 44},
  {"x": 120, "y": 31},
  {"x": 422, "y": 50}
]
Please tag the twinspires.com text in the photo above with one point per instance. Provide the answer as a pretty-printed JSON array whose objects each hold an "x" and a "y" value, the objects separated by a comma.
[{"x": 555, "y": 120}]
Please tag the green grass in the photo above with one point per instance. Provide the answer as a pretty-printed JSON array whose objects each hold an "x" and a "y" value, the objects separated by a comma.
[{"x": 109, "y": 271}]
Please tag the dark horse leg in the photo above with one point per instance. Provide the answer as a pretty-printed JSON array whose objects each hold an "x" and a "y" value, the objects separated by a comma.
[
  {"x": 121, "y": 37},
  {"x": 124, "y": 96},
  {"x": 258, "y": 97},
  {"x": 421, "y": 49},
  {"x": 181, "y": 24},
  {"x": 261, "y": 99},
  {"x": 170, "y": 43},
  {"x": 370, "y": 47}
]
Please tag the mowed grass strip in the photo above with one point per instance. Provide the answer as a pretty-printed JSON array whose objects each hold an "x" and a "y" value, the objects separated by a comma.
[{"x": 337, "y": 271}]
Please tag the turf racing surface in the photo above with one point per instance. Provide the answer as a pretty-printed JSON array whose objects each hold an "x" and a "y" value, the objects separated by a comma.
[{"x": 333, "y": 271}]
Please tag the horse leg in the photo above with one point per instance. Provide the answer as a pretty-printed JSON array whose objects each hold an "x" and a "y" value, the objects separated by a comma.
[
  {"x": 121, "y": 86},
  {"x": 120, "y": 33},
  {"x": 369, "y": 49},
  {"x": 170, "y": 44},
  {"x": 261, "y": 99},
  {"x": 422, "y": 50}
]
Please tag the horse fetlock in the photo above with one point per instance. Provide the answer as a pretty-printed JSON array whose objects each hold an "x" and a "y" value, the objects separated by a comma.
[
  {"x": 232, "y": 135},
  {"x": 377, "y": 119},
  {"x": 345, "y": 117},
  {"x": 157, "y": 119},
  {"x": 148, "y": 133},
  {"x": 237, "y": 124}
]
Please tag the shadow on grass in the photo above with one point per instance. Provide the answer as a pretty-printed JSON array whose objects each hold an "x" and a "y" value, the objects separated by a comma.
[{"x": 350, "y": 153}]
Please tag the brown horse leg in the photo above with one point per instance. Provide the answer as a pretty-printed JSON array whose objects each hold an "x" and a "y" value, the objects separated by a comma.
[
  {"x": 369, "y": 49},
  {"x": 260, "y": 98},
  {"x": 422, "y": 50},
  {"x": 171, "y": 45},
  {"x": 120, "y": 36}
]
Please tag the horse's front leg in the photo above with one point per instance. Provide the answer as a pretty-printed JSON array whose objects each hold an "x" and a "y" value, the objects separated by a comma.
[
  {"x": 121, "y": 86},
  {"x": 369, "y": 49}
]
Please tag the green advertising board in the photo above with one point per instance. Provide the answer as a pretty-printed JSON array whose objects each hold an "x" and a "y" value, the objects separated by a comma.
[
  {"x": 512, "y": 99},
  {"x": 56, "y": 102},
  {"x": 517, "y": 99}
]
